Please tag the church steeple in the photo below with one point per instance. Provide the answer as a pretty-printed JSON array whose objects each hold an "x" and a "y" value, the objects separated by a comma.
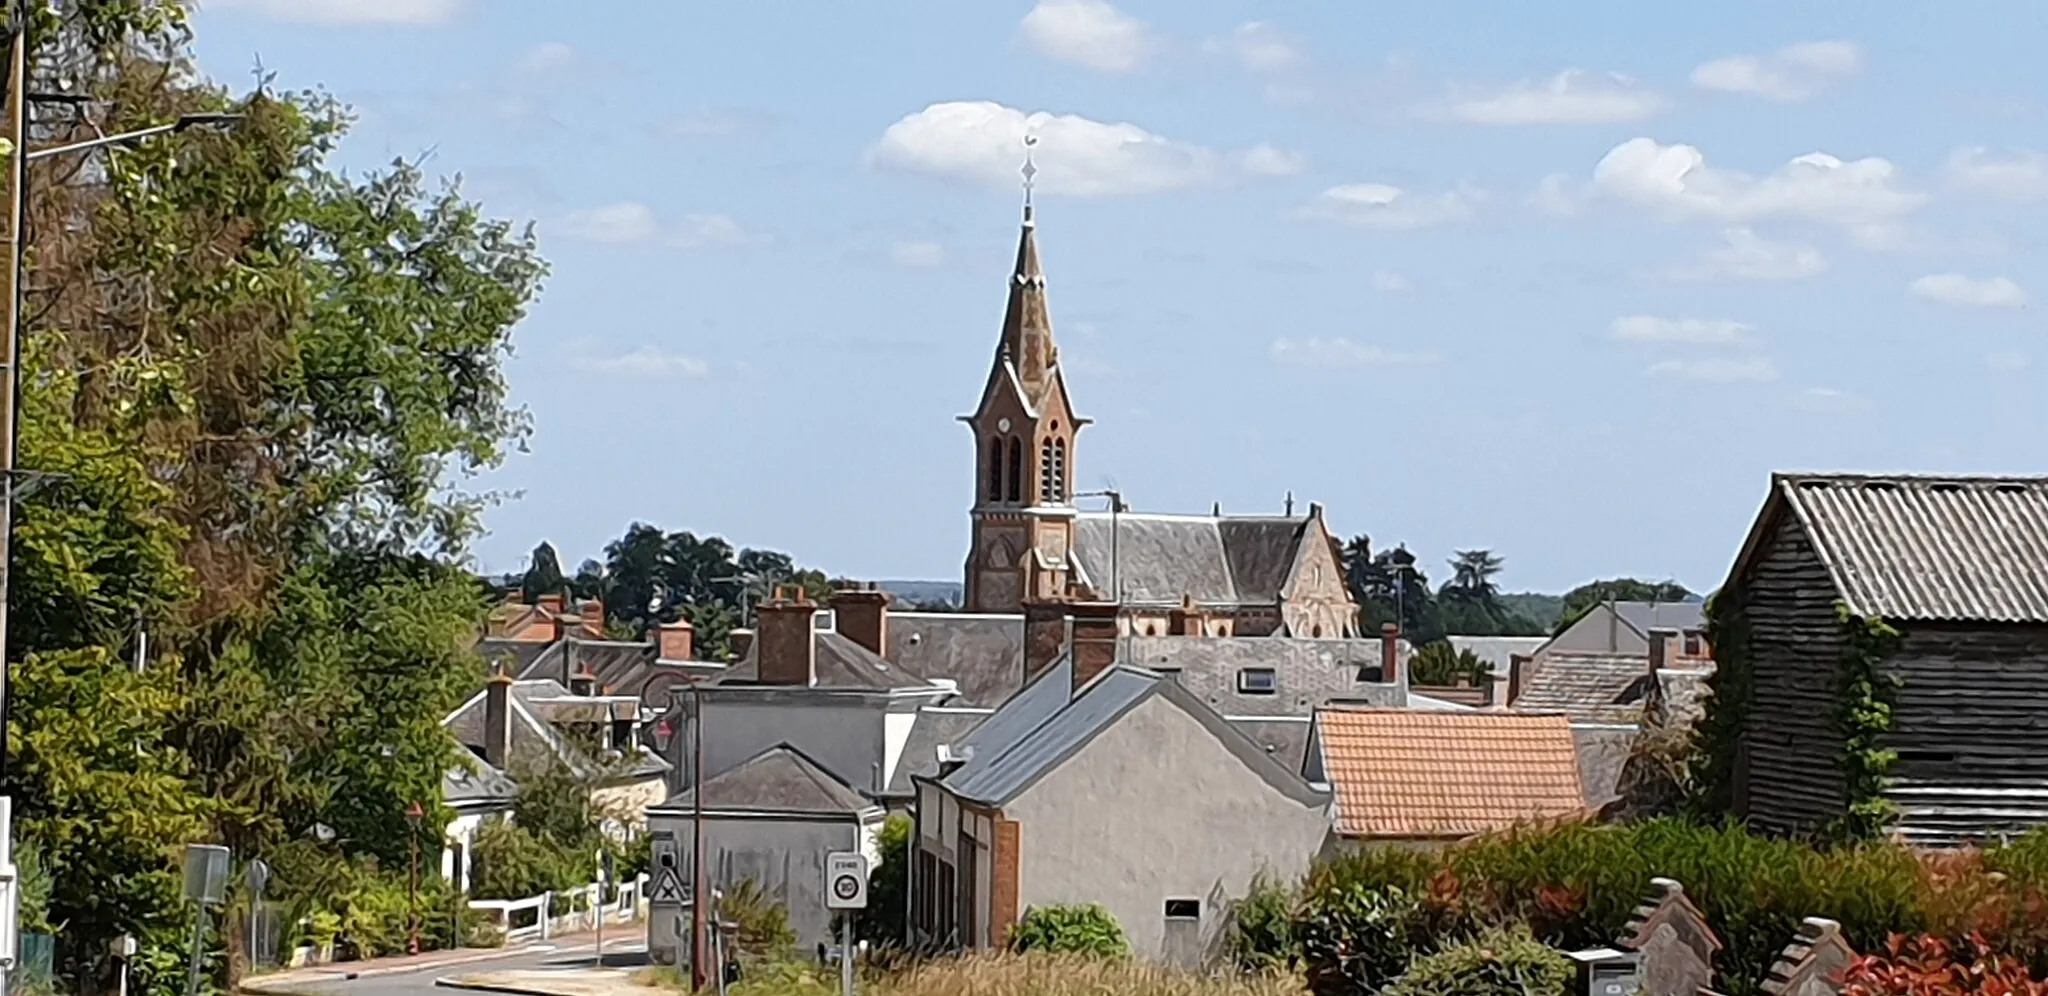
[{"x": 1027, "y": 323}]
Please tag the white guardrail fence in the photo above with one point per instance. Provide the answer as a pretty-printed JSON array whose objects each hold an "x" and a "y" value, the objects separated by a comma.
[{"x": 564, "y": 912}]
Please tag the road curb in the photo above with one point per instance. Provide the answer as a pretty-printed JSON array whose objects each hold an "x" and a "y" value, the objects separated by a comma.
[{"x": 449, "y": 982}]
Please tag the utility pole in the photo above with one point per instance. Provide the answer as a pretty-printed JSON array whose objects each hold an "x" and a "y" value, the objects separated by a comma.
[
  {"x": 16, "y": 110},
  {"x": 699, "y": 898}
]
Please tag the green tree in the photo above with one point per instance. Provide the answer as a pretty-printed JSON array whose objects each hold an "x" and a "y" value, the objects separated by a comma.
[
  {"x": 543, "y": 574},
  {"x": 1582, "y": 599},
  {"x": 1389, "y": 587},
  {"x": 888, "y": 909},
  {"x": 1444, "y": 665}
]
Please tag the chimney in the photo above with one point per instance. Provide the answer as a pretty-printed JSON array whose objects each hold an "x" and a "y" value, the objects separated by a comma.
[
  {"x": 583, "y": 683},
  {"x": 498, "y": 719},
  {"x": 592, "y": 613},
  {"x": 788, "y": 650},
  {"x": 863, "y": 616},
  {"x": 1187, "y": 620},
  {"x": 1518, "y": 669},
  {"x": 1613, "y": 628},
  {"x": 1315, "y": 510},
  {"x": 1660, "y": 649},
  {"x": 675, "y": 641},
  {"x": 1093, "y": 639},
  {"x": 1045, "y": 635},
  {"x": 738, "y": 642},
  {"x": 1390, "y": 653},
  {"x": 552, "y": 604}
]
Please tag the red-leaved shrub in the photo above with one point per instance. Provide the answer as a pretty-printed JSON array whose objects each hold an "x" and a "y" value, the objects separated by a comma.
[{"x": 1929, "y": 966}]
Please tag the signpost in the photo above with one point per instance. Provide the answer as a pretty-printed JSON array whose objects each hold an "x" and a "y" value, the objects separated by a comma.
[
  {"x": 846, "y": 890},
  {"x": 664, "y": 900},
  {"x": 206, "y": 884},
  {"x": 10, "y": 896},
  {"x": 604, "y": 877}
]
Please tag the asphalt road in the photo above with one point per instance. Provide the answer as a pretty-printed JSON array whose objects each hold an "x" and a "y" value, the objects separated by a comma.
[{"x": 624, "y": 953}]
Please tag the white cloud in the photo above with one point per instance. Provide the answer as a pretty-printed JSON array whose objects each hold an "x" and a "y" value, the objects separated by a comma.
[
  {"x": 2018, "y": 176},
  {"x": 1388, "y": 282},
  {"x": 1745, "y": 255},
  {"x": 2008, "y": 361},
  {"x": 548, "y": 58},
  {"x": 1966, "y": 292},
  {"x": 1792, "y": 73},
  {"x": 1377, "y": 205},
  {"x": 983, "y": 142},
  {"x": 626, "y": 221},
  {"x": 1675, "y": 180},
  {"x": 917, "y": 254},
  {"x": 1265, "y": 160},
  {"x": 1716, "y": 370},
  {"x": 1091, "y": 33},
  {"x": 648, "y": 362},
  {"x": 1571, "y": 97},
  {"x": 347, "y": 11},
  {"x": 1691, "y": 331},
  {"x": 1259, "y": 47},
  {"x": 1327, "y": 353},
  {"x": 1828, "y": 400},
  {"x": 632, "y": 221}
]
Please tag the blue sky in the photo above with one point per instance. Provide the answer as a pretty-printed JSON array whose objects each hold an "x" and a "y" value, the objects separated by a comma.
[{"x": 1564, "y": 285}]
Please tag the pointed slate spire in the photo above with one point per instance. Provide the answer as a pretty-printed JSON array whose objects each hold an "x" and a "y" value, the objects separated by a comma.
[{"x": 1027, "y": 325}]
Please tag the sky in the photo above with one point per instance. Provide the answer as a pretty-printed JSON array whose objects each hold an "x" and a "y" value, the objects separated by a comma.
[{"x": 1567, "y": 282}]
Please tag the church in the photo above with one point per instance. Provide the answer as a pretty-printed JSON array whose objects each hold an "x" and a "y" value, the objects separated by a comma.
[{"x": 1187, "y": 575}]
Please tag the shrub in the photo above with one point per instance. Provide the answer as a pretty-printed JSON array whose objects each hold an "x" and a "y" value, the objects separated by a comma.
[
  {"x": 1041, "y": 974},
  {"x": 1927, "y": 966},
  {"x": 883, "y": 921},
  {"x": 1081, "y": 930},
  {"x": 762, "y": 924},
  {"x": 1261, "y": 935},
  {"x": 1355, "y": 938},
  {"x": 512, "y": 862},
  {"x": 1501, "y": 962}
]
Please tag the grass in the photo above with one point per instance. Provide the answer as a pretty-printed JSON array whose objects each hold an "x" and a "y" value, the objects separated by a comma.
[{"x": 1017, "y": 975}]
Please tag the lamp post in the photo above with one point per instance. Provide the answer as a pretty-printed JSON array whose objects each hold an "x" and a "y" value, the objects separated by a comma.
[
  {"x": 412, "y": 887},
  {"x": 697, "y": 876}
]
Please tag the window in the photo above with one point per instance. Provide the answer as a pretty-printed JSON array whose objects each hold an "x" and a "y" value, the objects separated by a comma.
[
  {"x": 1258, "y": 681},
  {"x": 1059, "y": 470},
  {"x": 1692, "y": 644},
  {"x": 1016, "y": 486},
  {"x": 995, "y": 470},
  {"x": 1183, "y": 909}
]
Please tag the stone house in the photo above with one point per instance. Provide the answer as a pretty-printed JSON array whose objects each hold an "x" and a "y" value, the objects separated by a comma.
[
  {"x": 1111, "y": 784},
  {"x": 1414, "y": 777},
  {"x": 1958, "y": 569},
  {"x": 596, "y": 737}
]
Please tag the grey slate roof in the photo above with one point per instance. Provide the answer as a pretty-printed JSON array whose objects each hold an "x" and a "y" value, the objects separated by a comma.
[
  {"x": 997, "y": 774},
  {"x": 1215, "y": 560},
  {"x": 1588, "y": 687},
  {"x": 934, "y": 726},
  {"x": 472, "y": 784},
  {"x": 1498, "y": 651},
  {"x": 1646, "y": 616},
  {"x": 841, "y": 664},
  {"x": 1025, "y": 711},
  {"x": 1311, "y": 673},
  {"x": 780, "y": 779},
  {"x": 982, "y": 654},
  {"x": 538, "y": 706},
  {"x": 1955, "y": 549},
  {"x": 623, "y": 668}
]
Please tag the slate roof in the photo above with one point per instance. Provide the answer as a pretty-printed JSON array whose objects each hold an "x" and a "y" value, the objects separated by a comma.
[
  {"x": 537, "y": 706},
  {"x": 934, "y": 726},
  {"x": 1914, "y": 548},
  {"x": 780, "y": 779},
  {"x": 1283, "y": 738},
  {"x": 1646, "y": 616},
  {"x": 473, "y": 784},
  {"x": 1004, "y": 766},
  {"x": 1215, "y": 560},
  {"x": 621, "y": 668},
  {"x": 1588, "y": 687},
  {"x": 1498, "y": 651},
  {"x": 1310, "y": 673},
  {"x": 982, "y": 654},
  {"x": 1409, "y": 774},
  {"x": 840, "y": 664}
]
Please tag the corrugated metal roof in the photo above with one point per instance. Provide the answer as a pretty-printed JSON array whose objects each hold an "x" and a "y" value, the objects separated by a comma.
[
  {"x": 995, "y": 777},
  {"x": 1961, "y": 549}
]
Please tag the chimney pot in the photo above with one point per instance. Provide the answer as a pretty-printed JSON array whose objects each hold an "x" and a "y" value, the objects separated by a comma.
[
  {"x": 1045, "y": 635},
  {"x": 739, "y": 642},
  {"x": 1092, "y": 639},
  {"x": 498, "y": 718},
  {"x": 1390, "y": 653}
]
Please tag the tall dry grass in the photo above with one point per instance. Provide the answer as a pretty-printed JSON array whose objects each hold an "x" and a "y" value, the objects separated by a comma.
[{"x": 1070, "y": 975}]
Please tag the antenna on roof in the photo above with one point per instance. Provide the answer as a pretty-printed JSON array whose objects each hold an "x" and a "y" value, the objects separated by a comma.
[
  {"x": 1030, "y": 172},
  {"x": 1290, "y": 504},
  {"x": 1216, "y": 510}
]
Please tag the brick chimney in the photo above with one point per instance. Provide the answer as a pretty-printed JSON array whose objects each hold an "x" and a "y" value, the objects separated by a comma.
[
  {"x": 583, "y": 683},
  {"x": 675, "y": 641},
  {"x": 1518, "y": 674},
  {"x": 498, "y": 719},
  {"x": 1187, "y": 619},
  {"x": 1045, "y": 635},
  {"x": 1660, "y": 649},
  {"x": 1390, "y": 653},
  {"x": 592, "y": 614},
  {"x": 786, "y": 652},
  {"x": 861, "y": 614},
  {"x": 738, "y": 642},
  {"x": 1093, "y": 639}
]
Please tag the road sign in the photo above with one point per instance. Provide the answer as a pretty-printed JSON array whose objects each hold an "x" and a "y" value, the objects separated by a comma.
[
  {"x": 846, "y": 880},
  {"x": 206, "y": 873},
  {"x": 668, "y": 889}
]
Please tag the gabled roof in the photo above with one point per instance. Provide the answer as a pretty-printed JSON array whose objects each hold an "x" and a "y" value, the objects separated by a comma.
[
  {"x": 1004, "y": 766},
  {"x": 982, "y": 654},
  {"x": 1498, "y": 651},
  {"x": 1409, "y": 774},
  {"x": 840, "y": 664},
  {"x": 621, "y": 668},
  {"x": 1308, "y": 673},
  {"x": 781, "y": 779},
  {"x": 537, "y": 705},
  {"x": 1261, "y": 551},
  {"x": 934, "y": 727},
  {"x": 1588, "y": 687},
  {"x": 1920, "y": 548},
  {"x": 1646, "y": 616},
  {"x": 1212, "y": 559}
]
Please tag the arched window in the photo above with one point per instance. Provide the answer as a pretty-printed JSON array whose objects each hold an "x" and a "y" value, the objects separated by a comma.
[
  {"x": 995, "y": 470},
  {"x": 1016, "y": 488}
]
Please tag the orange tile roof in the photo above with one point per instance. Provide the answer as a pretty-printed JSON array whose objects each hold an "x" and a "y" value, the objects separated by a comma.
[{"x": 1412, "y": 773}]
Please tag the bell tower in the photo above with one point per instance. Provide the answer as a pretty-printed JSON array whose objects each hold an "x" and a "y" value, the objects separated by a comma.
[{"x": 1024, "y": 427}]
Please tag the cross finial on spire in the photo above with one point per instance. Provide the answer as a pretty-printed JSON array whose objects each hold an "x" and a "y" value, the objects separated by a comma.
[{"x": 1030, "y": 171}]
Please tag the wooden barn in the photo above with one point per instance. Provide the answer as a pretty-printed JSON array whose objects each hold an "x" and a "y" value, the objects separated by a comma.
[{"x": 1883, "y": 655}]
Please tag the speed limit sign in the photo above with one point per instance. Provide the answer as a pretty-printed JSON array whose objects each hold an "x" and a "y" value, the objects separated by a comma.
[{"x": 846, "y": 880}]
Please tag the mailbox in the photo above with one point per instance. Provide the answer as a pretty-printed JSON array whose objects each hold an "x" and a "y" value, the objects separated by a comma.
[{"x": 1605, "y": 972}]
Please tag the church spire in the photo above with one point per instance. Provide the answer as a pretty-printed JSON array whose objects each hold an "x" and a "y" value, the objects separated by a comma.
[{"x": 1027, "y": 325}]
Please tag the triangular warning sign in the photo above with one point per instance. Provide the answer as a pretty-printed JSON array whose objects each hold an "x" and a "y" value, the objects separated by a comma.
[{"x": 667, "y": 889}]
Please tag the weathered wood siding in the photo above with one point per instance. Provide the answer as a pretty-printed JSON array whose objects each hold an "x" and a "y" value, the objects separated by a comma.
[
  {"x": 1971, "y": 730},
  {"x": 1789, "y": 774}
]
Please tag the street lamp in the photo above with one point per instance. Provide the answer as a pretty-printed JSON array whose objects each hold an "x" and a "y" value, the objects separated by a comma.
[
  {"x": 184, "y": 122},
  {"x": 412, "y": 889}
]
